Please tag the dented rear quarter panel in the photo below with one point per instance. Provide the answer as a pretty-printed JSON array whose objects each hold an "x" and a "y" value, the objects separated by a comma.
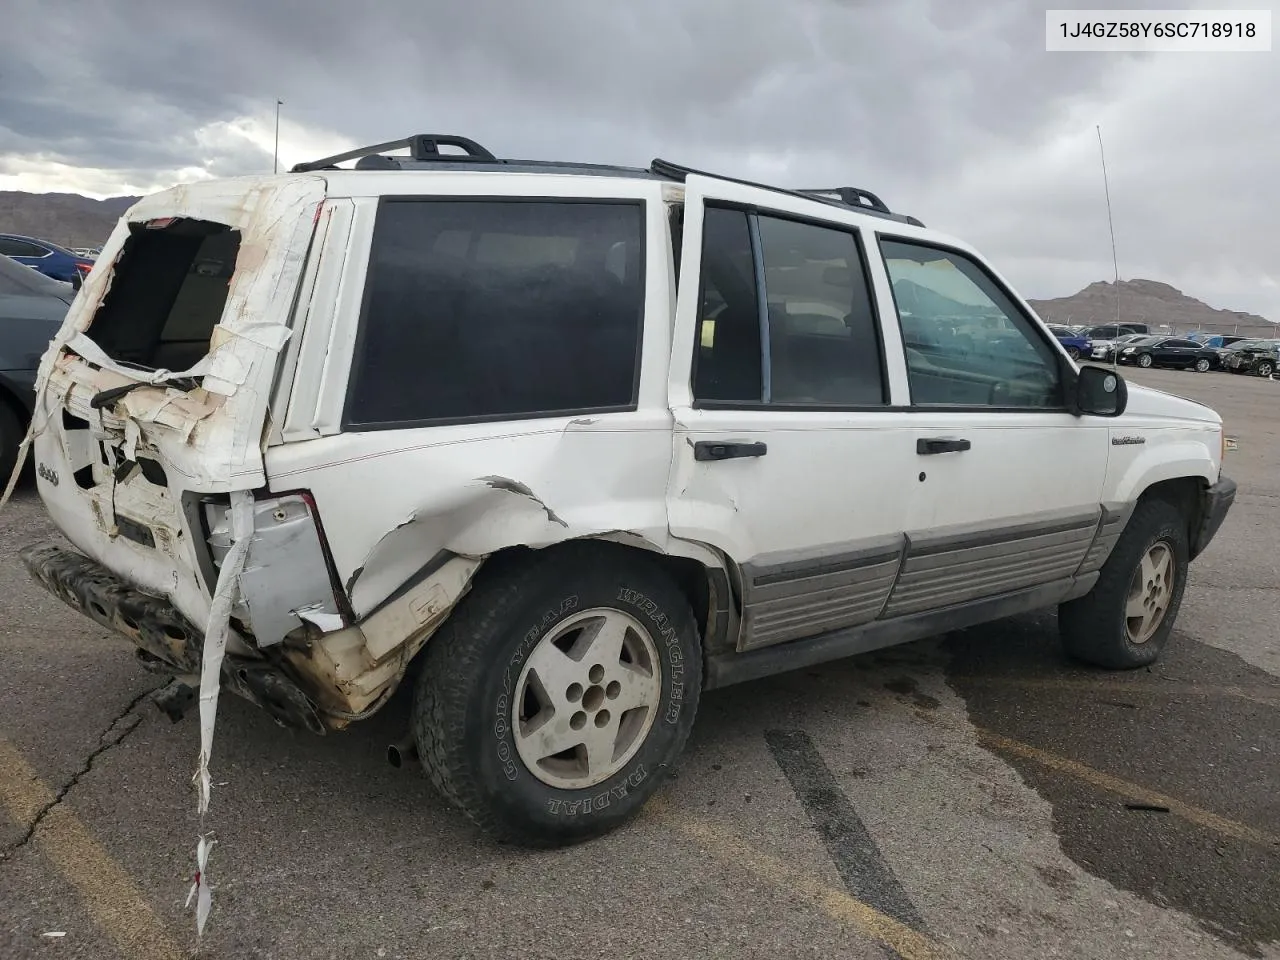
[{"x": 391, "y": 501}]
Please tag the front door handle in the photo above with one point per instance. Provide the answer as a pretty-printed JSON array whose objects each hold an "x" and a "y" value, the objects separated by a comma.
[
  {"x": 712, "y": 450},
  {"x": 930, "y": 445}
]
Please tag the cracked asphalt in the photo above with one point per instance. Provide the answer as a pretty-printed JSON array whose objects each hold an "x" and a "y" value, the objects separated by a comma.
[{"x": 975, "y": 795}]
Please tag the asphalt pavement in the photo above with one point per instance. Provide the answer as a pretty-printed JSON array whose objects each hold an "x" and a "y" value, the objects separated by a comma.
[{"x": 974, "y": 795}]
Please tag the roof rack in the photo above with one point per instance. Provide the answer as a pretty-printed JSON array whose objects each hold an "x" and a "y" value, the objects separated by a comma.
[
  {"x": 424, "y": 151},
  {"x": 851, "y": 196},
  {"x": 422, "y": 146},
  {"x": 864, "y": 201}
]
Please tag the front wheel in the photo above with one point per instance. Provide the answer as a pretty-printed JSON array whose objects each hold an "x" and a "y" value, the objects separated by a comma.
[
  {"x": 1265, "y": 368},
  {"x": 559, "y": 694},
  {"x": 1144, "y": 360},
  {"x": 1125, "y": 620},
  {"x": 1202, "y": 365},
  {"x": 1073, "y": 353}
]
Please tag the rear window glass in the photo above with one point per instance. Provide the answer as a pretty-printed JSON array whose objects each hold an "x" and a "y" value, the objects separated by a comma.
[
  {"x": 488, "y": 309},
  {"x": 167, "y": 293}
]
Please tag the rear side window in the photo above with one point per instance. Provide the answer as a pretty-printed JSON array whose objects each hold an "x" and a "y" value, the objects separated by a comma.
[{"x": 494, "y": 309}]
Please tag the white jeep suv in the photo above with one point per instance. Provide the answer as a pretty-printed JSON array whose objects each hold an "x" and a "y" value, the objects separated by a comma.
[{"x": 565, "y": 446}]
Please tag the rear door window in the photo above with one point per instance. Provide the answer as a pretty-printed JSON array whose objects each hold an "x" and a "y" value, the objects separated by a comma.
[
  {"x": 821, "y": 329},
  {"x": 495, "y": 309}
]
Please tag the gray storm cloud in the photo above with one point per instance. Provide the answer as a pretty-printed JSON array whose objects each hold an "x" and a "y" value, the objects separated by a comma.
[{"x": 949, "y": 109}]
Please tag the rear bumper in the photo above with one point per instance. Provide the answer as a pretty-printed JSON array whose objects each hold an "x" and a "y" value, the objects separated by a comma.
[
  {"x": 168, "y": 641},
  {"x": 1216, "y": 501}
]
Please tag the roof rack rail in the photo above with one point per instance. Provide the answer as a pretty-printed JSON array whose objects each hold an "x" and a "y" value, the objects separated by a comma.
[
  {"x": 864, "y": 201},
  {"x": 851, "y": 196},
  {"x": 422, "y": 146}
]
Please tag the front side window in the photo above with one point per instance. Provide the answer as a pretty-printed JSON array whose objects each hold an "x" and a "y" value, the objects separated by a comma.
[
  {"x": 816, "y": 340},
  {"x": 966, "y": 342},
  {"x": 491, "y": 309}
]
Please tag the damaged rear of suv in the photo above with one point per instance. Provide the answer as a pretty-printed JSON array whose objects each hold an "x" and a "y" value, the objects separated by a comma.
[{"x": 565, "y": 445}]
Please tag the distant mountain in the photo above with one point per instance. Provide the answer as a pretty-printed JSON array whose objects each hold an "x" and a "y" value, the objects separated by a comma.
[
  {"x": 65, "y": 218},
  {"x": 1150, "y": 302}
]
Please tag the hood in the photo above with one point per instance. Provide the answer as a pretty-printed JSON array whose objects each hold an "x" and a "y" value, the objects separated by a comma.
[{"x": 1149, "y": 402}]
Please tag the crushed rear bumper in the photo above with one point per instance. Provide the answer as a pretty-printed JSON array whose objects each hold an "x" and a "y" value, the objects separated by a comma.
[{"x": 168, "y": 642}]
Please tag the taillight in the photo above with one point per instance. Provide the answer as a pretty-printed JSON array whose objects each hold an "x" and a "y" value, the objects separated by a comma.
[{"x": 84, "y": 266}]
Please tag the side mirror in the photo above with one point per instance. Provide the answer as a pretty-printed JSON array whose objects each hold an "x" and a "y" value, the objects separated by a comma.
[{"x": 1100, "y": 392}]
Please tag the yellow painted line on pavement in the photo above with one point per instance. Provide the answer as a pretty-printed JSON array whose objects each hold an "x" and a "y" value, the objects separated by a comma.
[
  {"x": 1262, "y": 694},
  {"x": 1133, "y": 792},
  {"x": 836, "y": 903},
  {"x": 112, "y": 899}
]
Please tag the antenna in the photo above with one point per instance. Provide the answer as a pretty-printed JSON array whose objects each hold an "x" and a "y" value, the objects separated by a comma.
[{"x": 1110, "y": 223}]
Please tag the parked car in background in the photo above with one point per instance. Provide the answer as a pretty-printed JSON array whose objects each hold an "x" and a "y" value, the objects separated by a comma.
[
  {"x": 1215, "y": 340},
  {"x": 1110, "y": 331},
  {"x": 1072, "y": 341},
  {"x": 1105, "y": 350},
  {"x": 1167, "y": 352},
  {"x": 88, "y": 252},
  {"x": 48, "y": 258},
  {"x": 31, "y": 310},
  {"x": 1259, "y": 357}
]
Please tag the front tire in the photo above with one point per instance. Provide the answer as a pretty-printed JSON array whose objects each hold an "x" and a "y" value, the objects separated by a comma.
[
  {"x": 1202, "y": 365},
  {"x": 1265, "y": 369},
  {"x": 559, "y": 694},
  {"x": 1144, "y": 360},
  {"x": 1125, "y": 620},
  {"x": 1073, "y": 353}
]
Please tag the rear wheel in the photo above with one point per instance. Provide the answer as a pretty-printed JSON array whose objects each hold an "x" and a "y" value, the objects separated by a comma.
[
  {"x": 559, "y": 694},
  {"x": 1265, "y": 368},
  {"x": 1125, "y": 620}
]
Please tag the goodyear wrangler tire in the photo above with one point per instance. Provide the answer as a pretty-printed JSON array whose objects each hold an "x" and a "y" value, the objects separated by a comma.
[
  {"x": 559, "y": 694},
  {"x": 1125, "y": 620}
]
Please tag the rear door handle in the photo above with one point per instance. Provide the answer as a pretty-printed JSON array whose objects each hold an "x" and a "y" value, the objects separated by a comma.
[
  {"x": 712, "y": 450},
  {"x": 930, "y": 445}
]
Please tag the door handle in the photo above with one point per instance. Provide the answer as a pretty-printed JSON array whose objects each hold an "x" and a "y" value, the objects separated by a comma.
[
  {"x": 712, "y": 450},
  {"x": 930, "y": 445}
]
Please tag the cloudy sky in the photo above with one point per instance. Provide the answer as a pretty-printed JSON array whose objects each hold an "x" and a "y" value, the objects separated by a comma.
[{"x": 948, "y": 109}]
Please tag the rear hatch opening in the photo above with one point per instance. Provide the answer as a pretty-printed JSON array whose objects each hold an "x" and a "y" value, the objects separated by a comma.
[{"x": 168, "y": 290}]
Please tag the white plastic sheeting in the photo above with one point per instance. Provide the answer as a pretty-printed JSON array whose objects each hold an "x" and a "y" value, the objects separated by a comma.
[{"x": 215, "y": 646}]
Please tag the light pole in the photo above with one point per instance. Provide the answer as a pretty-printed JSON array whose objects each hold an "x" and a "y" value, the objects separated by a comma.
[{"x": 275, "y": 157}]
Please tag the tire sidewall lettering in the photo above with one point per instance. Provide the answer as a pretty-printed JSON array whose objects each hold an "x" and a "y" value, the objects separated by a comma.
[{"x": 669, "y": 641}]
